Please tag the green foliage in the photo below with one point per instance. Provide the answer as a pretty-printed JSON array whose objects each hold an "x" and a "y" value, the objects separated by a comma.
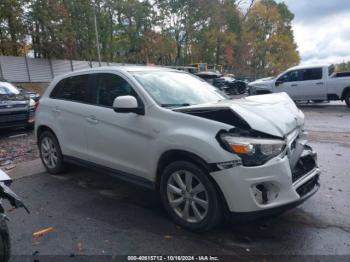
[
  {"x": 166, "y": 32},
  {"x": 269, "y": 39},
  {"x": 344, "y": 66},
  {"x": 12, "y": 27}
]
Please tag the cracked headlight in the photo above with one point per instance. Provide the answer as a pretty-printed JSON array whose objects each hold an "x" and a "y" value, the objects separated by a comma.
[{"x": 253, "y": 151}]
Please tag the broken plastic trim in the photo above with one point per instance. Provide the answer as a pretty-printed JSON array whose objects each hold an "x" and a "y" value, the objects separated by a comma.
[
  {"x": 7, "y": 193},
  {"x": 229, "y": 164}
]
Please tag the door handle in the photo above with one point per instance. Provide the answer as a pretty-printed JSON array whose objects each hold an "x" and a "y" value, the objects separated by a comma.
[
  {"x": 92, "y": 119},
  {"x": 319, "y": 83},
  {"x": 294, "y": 85}
]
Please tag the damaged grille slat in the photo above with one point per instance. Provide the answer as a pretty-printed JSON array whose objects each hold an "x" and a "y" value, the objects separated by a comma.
[
  {"x": 303, "y": 166},
  {"x": 308, "y": 186},
  {"x": 13, "y": 117}
]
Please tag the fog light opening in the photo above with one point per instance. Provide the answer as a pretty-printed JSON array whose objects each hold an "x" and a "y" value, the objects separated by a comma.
[{"x": 265, "y": 193}]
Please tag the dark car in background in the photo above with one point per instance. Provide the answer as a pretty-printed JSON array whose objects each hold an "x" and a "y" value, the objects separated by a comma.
[
  {"x": 16, "y": 108},
  {"x": 228, "y": 84},
  {"x": 31, "y": 94}
]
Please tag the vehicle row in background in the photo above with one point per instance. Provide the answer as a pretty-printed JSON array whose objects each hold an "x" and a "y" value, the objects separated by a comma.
[
  {"x": 17, "y": 108},
  {"x": 228, "y": 83},
  {"x": 31, "y": 94},
  {"x": 304, "y": 83}
]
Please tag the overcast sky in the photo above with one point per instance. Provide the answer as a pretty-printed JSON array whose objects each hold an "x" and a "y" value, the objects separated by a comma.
[{"x": 321, "y": 29}]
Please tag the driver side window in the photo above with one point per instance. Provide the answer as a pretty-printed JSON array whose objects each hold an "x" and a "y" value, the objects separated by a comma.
[
  {"x": 291, "y": 76},
  {"x": 109, "y": 86}
]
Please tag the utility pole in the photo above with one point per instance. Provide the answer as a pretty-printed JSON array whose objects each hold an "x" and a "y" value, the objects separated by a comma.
[{"x": 97, "y": 38}]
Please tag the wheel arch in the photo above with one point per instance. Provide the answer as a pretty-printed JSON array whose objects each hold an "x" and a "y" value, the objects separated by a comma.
[
  {"x": 345, "y": 90},
  {"x": 43, "y": 128},
  {"x": 181, "y": 155}
]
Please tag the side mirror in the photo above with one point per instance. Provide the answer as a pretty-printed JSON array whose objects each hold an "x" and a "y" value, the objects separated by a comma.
[
  {"x": 278, "y": 82},
  {"x": 127, "y": 104}
]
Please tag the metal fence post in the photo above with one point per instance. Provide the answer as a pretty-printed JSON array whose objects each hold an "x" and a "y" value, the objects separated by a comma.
[
  {"x": 51, "y": 69},
  {"x": 27, "y": 67},
  {"x": 1, "y": 73}
]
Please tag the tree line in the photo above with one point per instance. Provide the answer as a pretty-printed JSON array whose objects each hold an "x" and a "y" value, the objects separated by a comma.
[
  {"x": 344, "y": 66},
  {"x": 248, "y": 37}
]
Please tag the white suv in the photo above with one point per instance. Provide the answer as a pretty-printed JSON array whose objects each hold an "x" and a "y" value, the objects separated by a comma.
[{"x": 173, "y": 132}]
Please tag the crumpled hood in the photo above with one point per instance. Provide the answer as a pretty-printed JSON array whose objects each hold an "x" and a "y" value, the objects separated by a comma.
[{"x": 274, "y": 114}]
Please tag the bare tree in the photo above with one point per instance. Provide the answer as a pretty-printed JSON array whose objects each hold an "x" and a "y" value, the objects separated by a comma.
[{"x": 248, "y": 3}]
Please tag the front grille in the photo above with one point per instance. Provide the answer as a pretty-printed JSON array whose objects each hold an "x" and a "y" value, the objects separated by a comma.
[
  {"x": 13, "y": 117},
  {"x": 308, "y": 186},
  {"x": 13, "y": 106},
  {"x": 31, "y": 113},
  {"x": 303, "y": 166}
]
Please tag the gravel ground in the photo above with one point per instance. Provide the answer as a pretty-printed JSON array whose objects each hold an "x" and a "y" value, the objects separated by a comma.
[{"x": 17, "y": 146}]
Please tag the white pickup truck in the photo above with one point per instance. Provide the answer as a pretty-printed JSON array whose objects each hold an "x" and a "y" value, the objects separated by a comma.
[{"x": 317, "y": 83}]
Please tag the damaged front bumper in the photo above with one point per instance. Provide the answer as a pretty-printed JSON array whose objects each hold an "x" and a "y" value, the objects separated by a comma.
[{"x": 281, "y": 184}]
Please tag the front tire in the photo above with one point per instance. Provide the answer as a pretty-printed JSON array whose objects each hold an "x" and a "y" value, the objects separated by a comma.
[
  {"x": 190, "y": 197},
  {"x": 50, "y": 153}
]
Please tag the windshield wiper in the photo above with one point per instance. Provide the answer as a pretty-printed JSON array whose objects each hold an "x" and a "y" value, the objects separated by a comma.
[{"x": 175, "y": 105}]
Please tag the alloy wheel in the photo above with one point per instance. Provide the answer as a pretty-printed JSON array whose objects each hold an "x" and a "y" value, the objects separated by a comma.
[
  {"x": 49, "y": 152},
  {"x": 187, "y": 196}
]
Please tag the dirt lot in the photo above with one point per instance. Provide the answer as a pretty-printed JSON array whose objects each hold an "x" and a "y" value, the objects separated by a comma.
[{"x": 17, "y": 146}]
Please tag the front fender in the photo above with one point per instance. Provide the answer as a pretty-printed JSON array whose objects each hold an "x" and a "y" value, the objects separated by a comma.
[{"x": 201, "y": 144}]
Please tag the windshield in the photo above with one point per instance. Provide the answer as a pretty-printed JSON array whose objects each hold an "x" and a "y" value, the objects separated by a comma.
[
  {"x": 8, "y": 89},
  {"x": 174, "y": 89}
]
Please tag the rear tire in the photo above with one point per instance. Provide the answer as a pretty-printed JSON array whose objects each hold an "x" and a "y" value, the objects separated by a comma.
[
  {"x": 50, "y": 153},
  {"x": 5, "y": 244},
  {"x": 347, "y": 98},
  {"x": 193, "y": 202}
]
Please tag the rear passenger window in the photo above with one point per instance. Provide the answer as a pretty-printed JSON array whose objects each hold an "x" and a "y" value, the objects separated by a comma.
[
  {"x": 110, "y": 86},
  {"x": 74, "y": 88},
  {"x": 312, "y": 74}
]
